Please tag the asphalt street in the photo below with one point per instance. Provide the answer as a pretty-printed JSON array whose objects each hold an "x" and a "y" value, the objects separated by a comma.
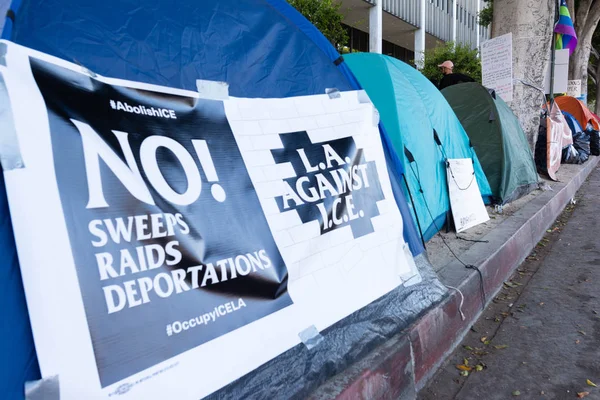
[{"x": 540, "y": 337}]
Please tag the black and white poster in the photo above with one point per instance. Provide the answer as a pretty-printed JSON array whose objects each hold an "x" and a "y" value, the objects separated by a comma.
[
  {"x": 165, "y": 238},
  {"x": 169, "y": 230}
]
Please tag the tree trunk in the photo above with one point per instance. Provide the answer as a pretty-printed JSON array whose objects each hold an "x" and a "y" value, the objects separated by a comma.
[
  {"x": 586, "y": 21},
  {"x": 531, "y": 24},
  {"x": 571, "y": 7},
  {"x": 578, "y": 65}
]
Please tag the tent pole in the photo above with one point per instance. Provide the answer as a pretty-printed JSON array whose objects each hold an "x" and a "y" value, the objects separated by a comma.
[{"x": 414, "y": 208}]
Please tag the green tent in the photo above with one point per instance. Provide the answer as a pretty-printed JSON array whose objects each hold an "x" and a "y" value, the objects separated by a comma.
[{"x": 498, "y": 139}]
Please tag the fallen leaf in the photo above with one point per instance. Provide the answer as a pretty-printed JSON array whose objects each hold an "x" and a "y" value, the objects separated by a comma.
[
  {"x": 591, "y": 383},
  {"x": 486, "y": 342},
  {"x": 542, "y": 303},
  {"x": 581, "y": 395},
  {"x": 516, "y": 393},
  {"x": 463, "y": 367},
  {"x": 510, "y": 284},
  {"x": 464, "y": 373},
  {"x": 468, "y": 348},
  {"x": 577, "y": 341},
  {"x": 479, "y": 367},
  {"x": 582, "y": 332},
  {"x": 465, "y": 361},
  {"x": 483, "y": 339},
  {"x": 595, "y": 312},
  {"x": 501, "y": 346}
]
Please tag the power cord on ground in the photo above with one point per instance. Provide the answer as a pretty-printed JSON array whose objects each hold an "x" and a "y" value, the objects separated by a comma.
[{"x": 469, "y": 266}]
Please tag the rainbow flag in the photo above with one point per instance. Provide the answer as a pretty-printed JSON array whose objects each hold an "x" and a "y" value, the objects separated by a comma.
[{"x": 566, "y": 38}]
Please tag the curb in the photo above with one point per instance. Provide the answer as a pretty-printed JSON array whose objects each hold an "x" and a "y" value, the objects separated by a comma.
[{"x": 402, "y": 366}]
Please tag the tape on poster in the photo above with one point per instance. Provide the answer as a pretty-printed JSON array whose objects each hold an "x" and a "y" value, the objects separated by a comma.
[
  {"x": 363, "y": 97},
  {"x": 375, "y": 117},
  {"x": 333, "y": 93},
  {"x": 311, "y": 337},
  {"x": 10, "y": 153},
  {"x": 43, "y": 389},
  {"x": 212, "y": 90},
  {"x": 3, "y": 50}
]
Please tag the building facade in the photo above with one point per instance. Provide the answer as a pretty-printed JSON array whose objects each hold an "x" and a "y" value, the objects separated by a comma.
[{"x": 405, "y": 28}]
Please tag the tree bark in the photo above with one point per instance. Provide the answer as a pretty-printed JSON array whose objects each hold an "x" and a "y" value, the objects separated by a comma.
[
  {"x": 586, "y": 21},
  {"x": 531, "y": 24},
  {"x": 571, "y": 7}
]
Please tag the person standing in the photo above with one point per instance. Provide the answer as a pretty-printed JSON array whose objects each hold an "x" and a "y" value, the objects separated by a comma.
[{"x": 451, "y": 78}]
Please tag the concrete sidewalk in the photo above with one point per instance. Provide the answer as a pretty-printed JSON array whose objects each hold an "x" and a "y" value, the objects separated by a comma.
[
  {"x": 540, "y": 338},
  {"x": 404, "y": 365}
]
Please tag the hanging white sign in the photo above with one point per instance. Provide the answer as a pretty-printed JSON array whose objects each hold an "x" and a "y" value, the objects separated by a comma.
[{"x": 467, "y": 205}]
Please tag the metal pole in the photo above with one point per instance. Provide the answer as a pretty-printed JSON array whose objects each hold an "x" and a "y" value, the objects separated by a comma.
[
  {"x": 375, "y": 27},
  {"x": 420, "y": 36},
  {"x": 454, "y": 19},
  {"x": 553, "y": 54}
]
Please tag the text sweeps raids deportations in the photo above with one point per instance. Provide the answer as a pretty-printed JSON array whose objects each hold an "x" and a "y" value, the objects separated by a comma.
[{"x": 146, "y": 227}]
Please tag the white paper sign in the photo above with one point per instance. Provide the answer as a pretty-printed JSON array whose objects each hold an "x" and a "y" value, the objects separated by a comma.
[
  {"x": 574, "y": 88},
  {"x": 496, "y": 66},
  {"x": 467, "y": 205},
  {"x": 101, "y": 154},
  {"x": 561, "y": 72}
]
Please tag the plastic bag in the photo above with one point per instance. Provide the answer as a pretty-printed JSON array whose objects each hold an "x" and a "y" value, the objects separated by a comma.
[
  {"x": 571, "y": 156},
  {"x": 594, "y": 140},
  {"x": 581, "y": 142}
]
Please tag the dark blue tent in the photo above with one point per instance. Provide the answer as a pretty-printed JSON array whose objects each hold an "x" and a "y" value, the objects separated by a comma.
[
  {"x": 261, "y": 48},
  {"x": 573, "y": 123}
]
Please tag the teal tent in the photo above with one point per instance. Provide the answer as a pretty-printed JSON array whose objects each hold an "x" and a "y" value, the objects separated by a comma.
[{"x": 412, "y": 109}]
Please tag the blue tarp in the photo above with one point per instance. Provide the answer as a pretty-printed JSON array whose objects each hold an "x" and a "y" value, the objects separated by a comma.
[{"x": 261, "y": 48}]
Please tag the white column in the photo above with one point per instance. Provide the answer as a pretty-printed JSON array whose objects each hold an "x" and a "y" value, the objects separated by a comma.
[
  {"x": 376, "y": 27},
  {"x": 454, "y": 19},
  {"x": 420, "y": 36},
  {"x": 477, "y": 27}
]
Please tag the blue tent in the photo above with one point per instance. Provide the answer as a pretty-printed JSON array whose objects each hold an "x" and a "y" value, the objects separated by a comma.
[
  {"x": 412, "y": 109},
  {"x": 261, "y": 48},
  {"x": 573, "y": 123}
]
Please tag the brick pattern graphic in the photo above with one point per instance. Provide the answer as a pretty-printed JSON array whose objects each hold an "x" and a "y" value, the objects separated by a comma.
[{"x": 336, "y": 272}]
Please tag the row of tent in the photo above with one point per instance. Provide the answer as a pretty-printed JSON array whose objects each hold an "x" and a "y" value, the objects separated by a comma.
[
  {"x": 427, "y": 126},
  {"x": 584, "y": 127},
  {"x": 569, "y": 134},
  {"x": 265, "y": 48}
]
